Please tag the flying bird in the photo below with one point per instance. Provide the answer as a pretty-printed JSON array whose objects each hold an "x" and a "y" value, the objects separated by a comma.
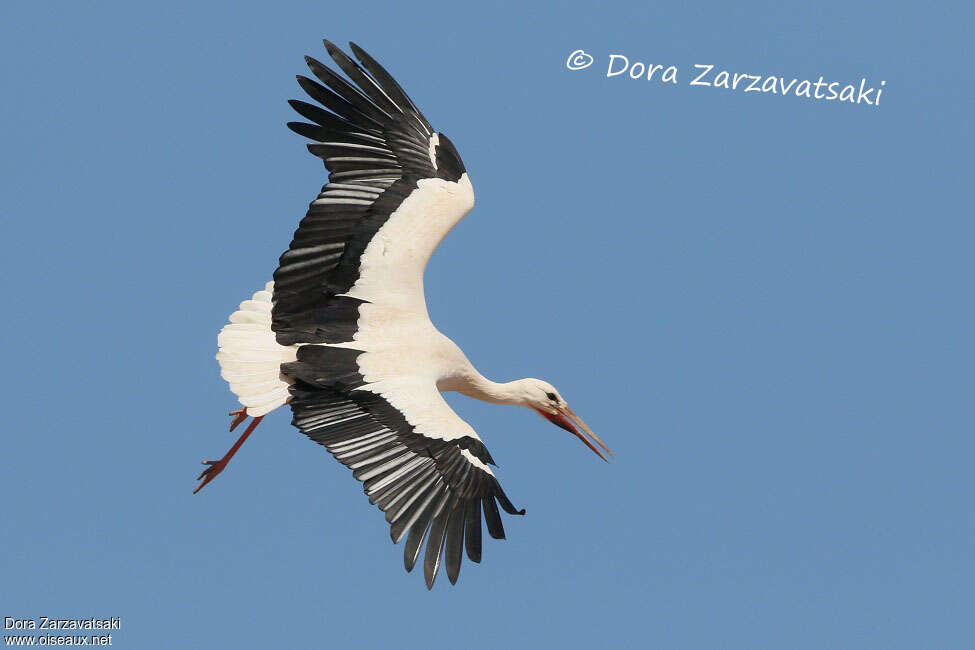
[{"x": 342, "y": 334}]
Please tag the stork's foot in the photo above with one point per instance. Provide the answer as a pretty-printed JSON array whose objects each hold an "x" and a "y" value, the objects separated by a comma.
[
  {"x": 210, "y": 473},
  {"x": 238, "y": 416},
  {"x": 217, "y": 466}
]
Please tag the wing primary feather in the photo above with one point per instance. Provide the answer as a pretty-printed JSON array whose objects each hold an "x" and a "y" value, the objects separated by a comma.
[
  {"x": 471, "y": 485},
  {"x": 505, "y": 503},
  {"x": 473, "y": 529},
  {"x": 367, "y": 85},
  {"x": 333, "y": 122},
  {"x": 411, "y": 550},
  {"x": 493, "y": 518},
  {"x": 435, "y": 543},
  {"x": 345, "y": 90},
  {"x": 335, "y": 103},
  {"x": 418, "y": 531},
  {"x": 454, "y": 550},
  {"x": 325, "y": 134},
  {"x": 389, "y": 85}
]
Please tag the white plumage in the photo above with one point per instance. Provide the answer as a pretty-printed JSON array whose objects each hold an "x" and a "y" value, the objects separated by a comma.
[{"x": 250, "y": 357}]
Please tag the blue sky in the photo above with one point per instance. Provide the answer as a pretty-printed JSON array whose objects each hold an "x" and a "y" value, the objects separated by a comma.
[{"x": 762, "y": 303}]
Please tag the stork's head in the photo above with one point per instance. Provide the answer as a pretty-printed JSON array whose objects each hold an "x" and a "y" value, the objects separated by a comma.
[{"x": 549, "y": 403}]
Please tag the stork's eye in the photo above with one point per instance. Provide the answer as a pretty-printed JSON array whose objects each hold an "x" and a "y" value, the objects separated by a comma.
[{"x": 552, "y": 396}]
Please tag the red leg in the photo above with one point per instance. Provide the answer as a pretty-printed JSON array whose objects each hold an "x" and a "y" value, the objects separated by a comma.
[{"x": 217, "y": 466}]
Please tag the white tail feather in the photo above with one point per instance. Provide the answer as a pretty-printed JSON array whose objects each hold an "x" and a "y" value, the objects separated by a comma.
[{"x": 250, "y": 357}]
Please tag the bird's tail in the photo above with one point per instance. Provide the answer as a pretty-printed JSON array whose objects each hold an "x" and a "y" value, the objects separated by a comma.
[{"x": 250, "y": 356}]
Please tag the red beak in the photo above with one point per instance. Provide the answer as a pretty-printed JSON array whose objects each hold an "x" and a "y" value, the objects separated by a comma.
[{"x": 560, "y": 420}]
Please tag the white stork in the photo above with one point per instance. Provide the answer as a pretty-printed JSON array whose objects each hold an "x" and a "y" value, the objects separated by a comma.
[{"x": 342, "y": 334}]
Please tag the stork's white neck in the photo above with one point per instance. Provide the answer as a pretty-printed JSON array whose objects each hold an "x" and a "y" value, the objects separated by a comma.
[{"x": 480, "y": 387}]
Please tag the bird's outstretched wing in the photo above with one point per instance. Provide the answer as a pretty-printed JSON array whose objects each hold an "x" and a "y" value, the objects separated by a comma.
[
  {"x": 417, "y": 459},
  {"x": 395, "y": 189}
]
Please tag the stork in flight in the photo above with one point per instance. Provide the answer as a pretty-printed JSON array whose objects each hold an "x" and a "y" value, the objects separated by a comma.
[{"x": 342, "y": 334}]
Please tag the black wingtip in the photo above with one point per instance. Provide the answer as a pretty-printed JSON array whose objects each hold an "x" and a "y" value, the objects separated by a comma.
[
  {"x": 356, "y": 50},
  {"x": 310, "y": 131},
  {"x": 314, "y": 64}
]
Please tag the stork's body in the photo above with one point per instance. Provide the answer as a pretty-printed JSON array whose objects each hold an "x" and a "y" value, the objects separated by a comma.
[{"x": 342, "y": 334}]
